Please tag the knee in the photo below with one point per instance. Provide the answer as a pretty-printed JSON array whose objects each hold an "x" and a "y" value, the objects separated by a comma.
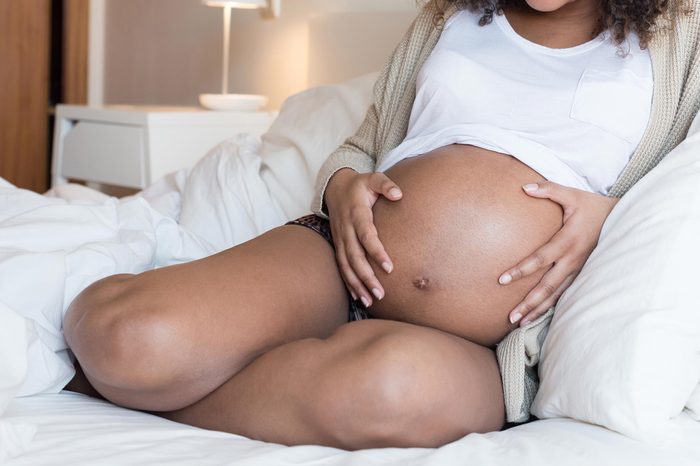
[
  {"x": 406, "y": 394},
  {"x": 116, "y": 333}
]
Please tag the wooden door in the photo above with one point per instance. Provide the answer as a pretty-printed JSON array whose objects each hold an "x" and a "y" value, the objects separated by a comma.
[
  {"x": 35, "y": 74},
  {"x": 76, "y": 20},
  {"x": 25, "y": 34}
]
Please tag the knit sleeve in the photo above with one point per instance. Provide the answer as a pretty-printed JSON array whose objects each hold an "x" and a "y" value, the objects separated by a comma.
[
  {"x": 360, "y": 151},
  {"x": 676, "y": 60}
]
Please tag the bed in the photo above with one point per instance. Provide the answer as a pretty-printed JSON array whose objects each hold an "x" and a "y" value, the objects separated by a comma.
[
  {"x": 241, "y": 188},
  {"x": 635, "y": 404}
]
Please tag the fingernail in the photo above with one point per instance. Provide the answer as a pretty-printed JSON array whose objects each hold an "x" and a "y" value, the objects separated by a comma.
[
  {"x": 515, "y": 317},
  {"x": 505, "y": 279},
  {"x": 354, "y": 296},
  {"x": 525, "y": 322},
  {"x": 394, "y": 192},
  {"x": 387, "y": 267},
  {"x": 377, "y": 293},
  {"x": 365, "y": 301},
  {"x": 531, "y": 187}
]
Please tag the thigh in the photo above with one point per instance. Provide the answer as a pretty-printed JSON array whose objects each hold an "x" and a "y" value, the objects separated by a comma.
[
  {"x": 167, "y": 337},
  {"x": 373, "y": 383},
  {"x": 281, "y": 286}
]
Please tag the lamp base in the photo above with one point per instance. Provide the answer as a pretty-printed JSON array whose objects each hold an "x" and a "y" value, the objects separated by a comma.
[{"x": 233, "y": 102}]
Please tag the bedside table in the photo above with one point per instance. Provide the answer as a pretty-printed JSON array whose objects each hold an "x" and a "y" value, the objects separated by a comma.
[{"x": 132, "y": 146}]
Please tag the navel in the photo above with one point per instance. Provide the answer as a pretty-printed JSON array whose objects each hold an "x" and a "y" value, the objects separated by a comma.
[{"x": 422, "y": 283}]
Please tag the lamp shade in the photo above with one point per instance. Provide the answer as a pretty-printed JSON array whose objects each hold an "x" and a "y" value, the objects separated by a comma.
[{"x": 248, "y": 4}]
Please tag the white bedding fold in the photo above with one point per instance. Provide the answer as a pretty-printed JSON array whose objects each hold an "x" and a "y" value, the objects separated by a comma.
[
  {"x": 15, "y": 439},
  {"x": 225, "y": 199},
  {"x": 51, "y": 249}
]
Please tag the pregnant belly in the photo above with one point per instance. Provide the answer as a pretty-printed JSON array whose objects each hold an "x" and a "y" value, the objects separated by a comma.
[{"x": 463, "y": 221}]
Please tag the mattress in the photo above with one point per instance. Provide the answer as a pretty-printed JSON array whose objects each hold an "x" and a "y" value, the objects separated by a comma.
[{"x": 73, "y": 429}]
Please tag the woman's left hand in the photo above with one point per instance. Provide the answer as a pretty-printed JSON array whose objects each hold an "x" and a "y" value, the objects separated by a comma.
[{"x": 568, "y": 250}]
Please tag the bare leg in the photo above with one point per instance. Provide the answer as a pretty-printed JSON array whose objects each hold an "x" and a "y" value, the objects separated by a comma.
[
  {"x": 371, "y": 384},
  {"x": 166, "y": 338},
  {"x": 81, "y": 384}
]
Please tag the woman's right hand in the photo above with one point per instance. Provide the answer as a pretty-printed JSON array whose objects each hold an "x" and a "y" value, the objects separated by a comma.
[{"x": 349, "y": 198}]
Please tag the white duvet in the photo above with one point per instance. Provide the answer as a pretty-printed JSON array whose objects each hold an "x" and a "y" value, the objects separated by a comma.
[{"x": 51, "y": 249}]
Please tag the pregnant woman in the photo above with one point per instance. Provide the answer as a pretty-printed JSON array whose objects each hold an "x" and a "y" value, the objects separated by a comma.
[{"x": 501, "y": 136}]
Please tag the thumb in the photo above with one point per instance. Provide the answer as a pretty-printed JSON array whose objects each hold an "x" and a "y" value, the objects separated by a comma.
[
  {"x": 562, "y": 195},
  {"x": 381, "y": 184}
]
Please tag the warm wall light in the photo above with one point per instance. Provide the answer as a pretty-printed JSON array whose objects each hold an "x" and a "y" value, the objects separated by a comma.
[
  {"x": 252, "y": 4},
  {"x": 226, "y": 101}
]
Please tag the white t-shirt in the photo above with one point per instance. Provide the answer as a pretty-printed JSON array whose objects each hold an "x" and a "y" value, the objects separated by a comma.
[{"x": 574, "y": 115}]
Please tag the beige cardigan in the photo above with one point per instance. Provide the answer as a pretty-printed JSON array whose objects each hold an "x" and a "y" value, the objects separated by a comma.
[
  {"x": 675, "y": 57},
  {"x": 676, "y": 98}
]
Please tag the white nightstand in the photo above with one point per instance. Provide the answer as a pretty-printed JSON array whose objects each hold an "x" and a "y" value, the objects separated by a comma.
[{"x": 134, "y": 146}]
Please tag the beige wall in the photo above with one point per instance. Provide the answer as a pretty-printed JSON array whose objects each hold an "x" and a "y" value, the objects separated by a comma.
[{"x": 167, "y": 52}]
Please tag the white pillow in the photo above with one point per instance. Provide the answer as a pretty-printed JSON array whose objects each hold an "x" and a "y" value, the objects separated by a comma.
[
  {"x": 623, "y": 350},
  {"x": 310, "y": 126}
]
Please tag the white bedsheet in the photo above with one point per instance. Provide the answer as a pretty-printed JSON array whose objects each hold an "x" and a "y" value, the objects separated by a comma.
[{"x": 77, "y": 430}]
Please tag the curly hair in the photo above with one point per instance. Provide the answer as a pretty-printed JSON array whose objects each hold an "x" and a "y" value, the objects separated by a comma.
[{"x": 619, "y": 17}]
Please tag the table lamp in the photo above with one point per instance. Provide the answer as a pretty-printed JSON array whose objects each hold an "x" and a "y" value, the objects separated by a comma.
[{"x": 226, "y": 101}]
